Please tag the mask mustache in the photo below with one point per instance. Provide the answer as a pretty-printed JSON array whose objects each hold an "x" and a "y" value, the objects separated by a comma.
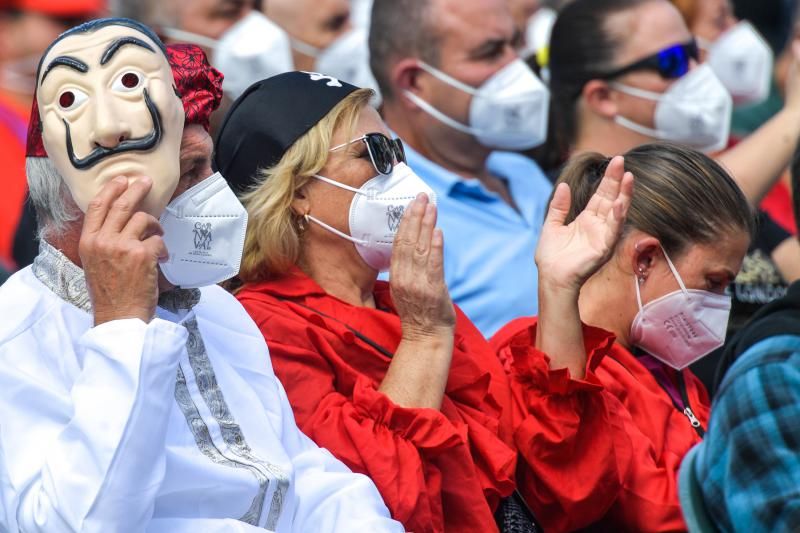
[{"x": 141, "y": 144}]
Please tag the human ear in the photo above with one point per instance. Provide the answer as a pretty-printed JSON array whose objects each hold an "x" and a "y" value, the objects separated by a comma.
[
  {"x": 405, "y": 77},
  {"x": 301, "y": 204},
  {"x": 646, "y": 251},
  {"x": 599, "y": 99}
]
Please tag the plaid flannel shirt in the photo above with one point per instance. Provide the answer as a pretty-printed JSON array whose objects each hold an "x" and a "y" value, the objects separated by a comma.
[{"x": 749, "y": 464}]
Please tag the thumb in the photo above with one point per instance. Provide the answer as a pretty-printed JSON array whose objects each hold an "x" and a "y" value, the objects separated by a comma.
[{"x": 559, "y": 206}]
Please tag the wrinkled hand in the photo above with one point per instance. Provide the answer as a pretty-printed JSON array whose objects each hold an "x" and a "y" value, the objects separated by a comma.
[
  {"x": 120, "y": 247},
  {"x": 417, "y": 274},
  {"x": 568, "y": 255}
]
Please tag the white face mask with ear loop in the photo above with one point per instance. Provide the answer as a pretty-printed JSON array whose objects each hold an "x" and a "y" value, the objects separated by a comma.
[
  {"x": 681, "y": 327},
  {"x": 743, "y": 61},
  {"x": 376, "y": 210},
  {"x": 252, "y": 49},
  {"x": 509, "y": 111},
  {"x": 204, "y": 231},
  {"x": 346, "y": 58},
  {"x": 695, "y": 110}
]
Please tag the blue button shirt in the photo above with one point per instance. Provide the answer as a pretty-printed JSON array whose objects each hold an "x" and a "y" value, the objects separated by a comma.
[{"x": 488, "y": 245}]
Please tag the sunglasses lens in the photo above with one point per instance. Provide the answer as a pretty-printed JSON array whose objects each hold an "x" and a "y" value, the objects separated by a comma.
[
  {"x": 673, "y": 62},
  {"x": 399, "y": 151},
  {"x": 381, "y": 152}
]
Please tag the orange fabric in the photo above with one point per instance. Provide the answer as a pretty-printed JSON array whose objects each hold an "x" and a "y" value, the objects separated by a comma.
[
  {"x": 14, "y": 183},
  {"x": 644, "y": 435},
  {"x": 443, "y": 470}
]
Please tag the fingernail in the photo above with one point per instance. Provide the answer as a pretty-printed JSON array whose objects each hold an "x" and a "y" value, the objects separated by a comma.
[{"x": 121, "y": 179}]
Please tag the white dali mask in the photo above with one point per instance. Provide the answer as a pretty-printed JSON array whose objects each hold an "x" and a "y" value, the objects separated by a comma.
[{"x": 109, "y": 108}]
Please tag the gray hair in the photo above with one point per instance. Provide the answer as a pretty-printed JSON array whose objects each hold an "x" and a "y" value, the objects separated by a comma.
[
  {"x": 55, "y": 208},
  {"x": 389, "y": 39}
]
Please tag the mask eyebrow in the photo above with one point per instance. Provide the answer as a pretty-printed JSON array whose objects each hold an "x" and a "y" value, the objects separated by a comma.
[
  {"x": 114, "y": 47},
  {"x": 65, "y": 61}
]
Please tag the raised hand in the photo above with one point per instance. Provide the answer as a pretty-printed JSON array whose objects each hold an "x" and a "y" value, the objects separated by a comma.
[
  {"x": 120, "y": 247},
  {"x": 417, "y": 272},
  {"x": 569, "y": 254},
  {"x": 417, "y": 374}
]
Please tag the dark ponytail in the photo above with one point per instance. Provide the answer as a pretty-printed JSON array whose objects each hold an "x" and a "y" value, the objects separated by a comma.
[{"x": 681, "y": 196}]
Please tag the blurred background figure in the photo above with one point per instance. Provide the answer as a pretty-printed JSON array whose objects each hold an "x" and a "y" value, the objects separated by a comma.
[
  {"x": 327, "y": 36},
  {"x": 27, "y": 27}
]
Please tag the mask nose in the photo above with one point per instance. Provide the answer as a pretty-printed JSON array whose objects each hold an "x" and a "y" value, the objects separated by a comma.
[{"x": 110, "y": 128}]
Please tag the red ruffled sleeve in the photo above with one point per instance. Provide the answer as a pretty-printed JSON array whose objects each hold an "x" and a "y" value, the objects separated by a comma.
[
  {"x": 573, "y": 454},
  {"x": 418, "y": 458}
]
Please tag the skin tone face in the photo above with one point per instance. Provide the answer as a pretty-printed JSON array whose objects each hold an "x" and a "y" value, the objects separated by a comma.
[
  {"x": 210, "y": 17},
  {"x": 521, "y": 12},
  {"x": 317, "y": 23},
  {"x": 196, "y": 149},
  {"x": 476, "y": 40},
  {"x": 713, "y": 18},
  {"x": 351, "y": 166},
  {"x": 109, "y": 93},
  {"x": 709, "y": 267},
  {"x": 645, "y": 30}
]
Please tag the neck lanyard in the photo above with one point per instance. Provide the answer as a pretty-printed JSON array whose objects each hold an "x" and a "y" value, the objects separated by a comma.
[{"x": 371, "y": 343}]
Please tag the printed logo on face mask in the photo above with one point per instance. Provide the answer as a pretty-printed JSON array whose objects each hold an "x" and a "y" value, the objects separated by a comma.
[
  {"x": 394, "y": 213},
  {"x": 513, "y": 116},
  {"x": 316, "y": 76},
  {"x": 680, "y": 328},
  {"x": 202, "y": 238}
]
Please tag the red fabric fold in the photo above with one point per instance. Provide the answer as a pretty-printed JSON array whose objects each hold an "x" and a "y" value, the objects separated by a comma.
[{"x": 437, "y": 471}]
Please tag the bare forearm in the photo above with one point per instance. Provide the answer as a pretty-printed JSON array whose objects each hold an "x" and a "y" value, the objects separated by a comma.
[
  {"x": 417, "y": 375},
  {"x": 760, "y": 159},
  {"x": 559, "y": 332}
]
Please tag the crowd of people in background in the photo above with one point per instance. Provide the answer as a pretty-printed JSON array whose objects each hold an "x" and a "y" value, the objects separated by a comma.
[{"x": 399, "y": 265}]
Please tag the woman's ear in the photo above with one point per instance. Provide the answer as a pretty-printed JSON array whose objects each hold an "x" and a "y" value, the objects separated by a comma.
[
  {"x": 599, "y": 99},
  {"x": 301, "y": 204},
  {"x": 646, "y": 251}
]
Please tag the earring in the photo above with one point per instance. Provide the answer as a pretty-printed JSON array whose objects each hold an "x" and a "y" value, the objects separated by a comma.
[
  {"x": 641, "y": 275},
  {"x": 301, "y": 225}
]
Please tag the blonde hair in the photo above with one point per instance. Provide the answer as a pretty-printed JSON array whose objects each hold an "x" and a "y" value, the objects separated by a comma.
[{"x": 274, "y": 242}]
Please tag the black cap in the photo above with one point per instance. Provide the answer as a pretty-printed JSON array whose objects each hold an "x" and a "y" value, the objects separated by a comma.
[{"x": 267, "y": 119}]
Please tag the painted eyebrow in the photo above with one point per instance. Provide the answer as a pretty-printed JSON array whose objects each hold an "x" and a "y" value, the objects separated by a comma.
[
  {"x": 65, "y": 61},
  {"x": 114, "y": 47}
]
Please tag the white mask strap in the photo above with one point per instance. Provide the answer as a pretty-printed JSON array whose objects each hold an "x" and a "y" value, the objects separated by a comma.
[
  {"x": 446, "y": 78},
  {"x": 340, "y": 185},
  {"x": 305, "y": 48},
  {"x": 674, "y": 270},
  {"x": 188, "y": 36},
  {"x": 638, "y": 291},
  {"x": 638, "y": 128},
  {"x": 438, "y": 115},
  {"x": 334, "y": 230},
  {"x": 635, "y": 91}
]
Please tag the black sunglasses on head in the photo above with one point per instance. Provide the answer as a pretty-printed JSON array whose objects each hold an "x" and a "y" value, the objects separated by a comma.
[
  {"x": 671, "y": 62},
  {"x": 383, "y": 151}
]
